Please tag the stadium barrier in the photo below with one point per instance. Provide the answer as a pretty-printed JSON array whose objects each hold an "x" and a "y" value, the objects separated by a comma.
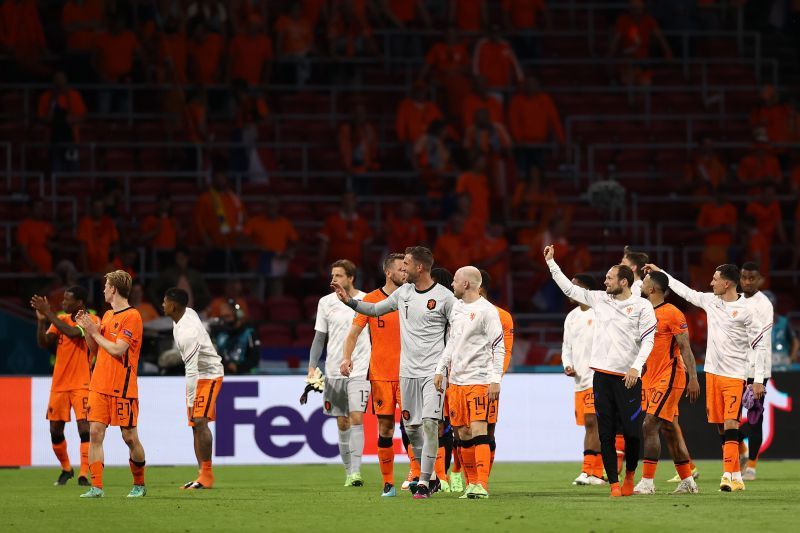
[{"x": 260, "y": 421}]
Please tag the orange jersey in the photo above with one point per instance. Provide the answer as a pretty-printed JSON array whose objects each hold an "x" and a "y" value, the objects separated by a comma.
[
  {"x": 72, "y": 359},
  {"x": 508, "y": 335},
  {"x": 384, "y": 332},
  {"x": 112, "y": 376},
  {"x": 665, "y": 361}
]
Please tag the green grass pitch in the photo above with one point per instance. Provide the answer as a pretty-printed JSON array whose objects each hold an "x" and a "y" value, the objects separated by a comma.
[{"x": 524, "y": 497}]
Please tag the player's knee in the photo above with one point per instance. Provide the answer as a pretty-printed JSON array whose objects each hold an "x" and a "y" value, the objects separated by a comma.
[
  {"x": 200, "y": 424},
  {"x": 57, "y": 435},
  {"x": 84, "y": 435},
  {"x": 343, "y": 423},
  {"x": 96, "y": 433},
  {"x": 589, "y": 423},
  {"x": 651, "y": 424},
  {"x": 130, "y": 439}
]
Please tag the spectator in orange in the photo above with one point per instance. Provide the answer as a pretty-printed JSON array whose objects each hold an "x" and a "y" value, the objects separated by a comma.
[
  {"x": 98, "y": 235},
  {"x": 453, "y": 249},
  {"x": 468, "y": 15},
  {"x": 475, "y": 184},
  {"x": 62, "y": 109},
  {"x": 535, "y": 200},
  {"x": 774, "y": 117},
  {"x": 358, "y": 144},
  {"x": 204, "y": 52},
  {"x": 34, "y": 234},
  {"x": 522, "y": 17},
  {"x": 495, "y": 60},
  {"x": 294, "y": 41},
  {"x": 247, "y": 158},
  {"x": 195, "y": 127},
  {"x": 490, "y": 139},
  {"x": 274, "y": 236},
  {"x": 233, "y": 293},
  {"x": 480, "y": 98},
  {"x": 145, "y": 308},
  {"x": 758, "y": 169},
  {"x": 706, "y": 172},
  {"x": 631, "y": 40},
  {"x": 344, "y": 235},
  {"x": 21, "y": 31},
  {"x": 447, "y": 64},
  {"x": 250, "y": 54},
  {"x": 533, "y": 119},
  {"x": 756, "y": 246},
  {"x": 173, "y": 50},
  {"x": 116, "y": 51},
  {"x": 81, "y": 20},
  {"x": 473, "y": 224},
  {"x": 491, "y": 253},
  {"x": 219, "y": 214},
  {"x": 405, "y": 228},
  {"x": 159, "y": 231},
  {"x": 432, "y": 158},
  {"x": 414, "y": 114},
  {"x": 314, "y": 11},
  {"x": 766, "y": 211},
  {"x": 717, "y": 224}
]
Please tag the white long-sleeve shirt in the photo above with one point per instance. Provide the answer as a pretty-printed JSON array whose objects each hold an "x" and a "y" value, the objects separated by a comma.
[
  {"x": 576, "y": 349},
  {"x": 475, "y": 350},
  {"x": 766, "y": 313},
  {"x": 624, "y": 331},
  {"x": 197, "y": 351},
  {"x": 734, "y": 328},
  {"x": 335, "y": 319}
]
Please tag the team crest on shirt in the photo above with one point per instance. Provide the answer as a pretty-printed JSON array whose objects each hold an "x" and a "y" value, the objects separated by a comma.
[
  {"x": 380, "y": 403},
  {"x": 589, "y": 323},
  {"x": 431, "y": 304},
  {"x": 327, "y": 406},
  {"x": 406, "y": 415},
  {"x": 733, "y": 315},
  {"x": 472, "y": 316},
  {"x": 629, "y": 309}
]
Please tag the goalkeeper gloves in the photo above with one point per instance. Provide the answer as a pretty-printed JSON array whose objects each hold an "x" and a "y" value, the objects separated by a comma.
[{"x": 314, "y": 383}]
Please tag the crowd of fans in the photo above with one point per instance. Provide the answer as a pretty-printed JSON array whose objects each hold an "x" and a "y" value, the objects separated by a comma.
[{"x": 480, "y": 136}]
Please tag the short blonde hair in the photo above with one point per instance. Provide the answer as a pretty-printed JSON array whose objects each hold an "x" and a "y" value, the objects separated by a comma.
[{"x": 121, "y": 281}]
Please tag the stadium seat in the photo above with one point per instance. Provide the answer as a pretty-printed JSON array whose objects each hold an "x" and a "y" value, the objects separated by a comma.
[
  {"x": 272, "y": 335},
  {"x": 282, "y": 309}
]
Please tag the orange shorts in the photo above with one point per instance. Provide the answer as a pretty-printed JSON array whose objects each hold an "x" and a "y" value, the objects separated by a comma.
[
  {"x": 467, "y": 404},
  {"x": 58, "y": 407},
  {"x": 205, "y": 400},
  {"x": 112, "y": 410},
  {"x": 723, "y": 398},
  {"x": 662, "y": 401},
  {"x": 385, "y": 396},
  {"x": 584, "y": 405},
  {"x": 493, "y": 407}
]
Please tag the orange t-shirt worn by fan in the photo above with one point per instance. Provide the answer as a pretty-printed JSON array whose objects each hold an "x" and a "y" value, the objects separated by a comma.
[
  {"x": 271, "y": 235},
  {"x": 89, "y": 11},
  {"x": 205, "y": 58},
  {"x": 98, "y": 236},
  {"x": 248, "y": 55},
  {"x": 116, "y": 54},
  {"x": 33, "y": 235},
  {"x": 296, "y": 36}
]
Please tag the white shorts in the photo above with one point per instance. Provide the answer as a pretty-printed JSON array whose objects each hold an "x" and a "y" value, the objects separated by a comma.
[
  {"x": 343, "y": 396},
  {"x": 420, "y": 400}
]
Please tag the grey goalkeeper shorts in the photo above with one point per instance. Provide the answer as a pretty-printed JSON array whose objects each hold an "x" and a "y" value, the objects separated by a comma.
[{"x": 420, "y": 400}]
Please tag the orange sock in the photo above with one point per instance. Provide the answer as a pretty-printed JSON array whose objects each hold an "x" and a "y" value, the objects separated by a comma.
[
  {"x": 730, "y": 456},
  {"x": 84, "y": 459},
  {"x": 619, "y": 445},
  {"x": 616, "y": 492},
  {"x": 468, "y": 460},
  {"x": 588, "y": 463},
  {"x": 483, "y": 457},
  {"x": 137, "y": 469},
  {"x": 415, "y": 471},
  {"x": 206, "y": 475},
  {"x": 692, "y": 465},
  {"x": 627, "y": 485},
  {"x": 96, "y": 469},
  {"x": 684, "y": 470},
  {"x": 742, "y": 448},
  {"x": 649, "y": 468},
  {"x": 438, "y": 466},
  {"x": 456, "y": 466},
  {"x": 386, "y": 460},
  {"x": 60, "y": 450},
  {"x": 597, "y": 469},
  {"x": 751, "y": 463}
]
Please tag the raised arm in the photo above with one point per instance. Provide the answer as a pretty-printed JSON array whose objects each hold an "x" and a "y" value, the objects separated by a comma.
[
  {"x": 700, "y": 299},
  {"x": 365, "y": 308},
  {"x": 693, "y": 387},
  {"x": 42, "y": 306},
  {"x": 571, "y": 290}
]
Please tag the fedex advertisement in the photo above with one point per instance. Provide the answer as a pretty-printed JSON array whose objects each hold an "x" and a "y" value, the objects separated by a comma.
[{"x": 260, "y": 421}]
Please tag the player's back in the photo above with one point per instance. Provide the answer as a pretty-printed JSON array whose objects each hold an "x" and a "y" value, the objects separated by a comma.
[
  {"x": 507, "y": 321},
  {"x": 72, "y": 369},
  {"x": 384, "y": 332},
  {"x": 665, "y": 362},
  {"x": 423, "y": 321},
  {"x": 117, "y": 376}
]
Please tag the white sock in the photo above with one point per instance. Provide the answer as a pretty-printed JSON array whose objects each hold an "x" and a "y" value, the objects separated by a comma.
[
  {"x": 344, "y": 449},
  {"x": 356, "y": 447},
  {"x": 430, "y": 447},
  {"x": 737, "y": 476}
]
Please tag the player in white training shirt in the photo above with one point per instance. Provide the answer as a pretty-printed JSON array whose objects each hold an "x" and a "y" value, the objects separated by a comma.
[
  {"x": 203, "y": 378},
  {"x": 343, "y": 397},
  {"x": 733, "y": 330},
  {"x": 474, "y": 356},
  {"x": 623, "y": 339},
  {"x": 424, "y": 307},
  {"x": 576, "y": 351}
]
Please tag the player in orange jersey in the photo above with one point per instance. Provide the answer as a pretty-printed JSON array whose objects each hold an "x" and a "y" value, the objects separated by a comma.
[
  {"x": 508, "y": 341},
  {"x": 113, "y": 390},
  {"x": 70, "y": 385},
  {"x": 663, "y": 382},
  {"x": 384, "y": 365}
]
